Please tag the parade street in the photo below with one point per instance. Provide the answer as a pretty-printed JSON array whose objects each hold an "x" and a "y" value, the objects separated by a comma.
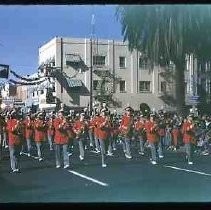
[{"x": 123, "y": 180}]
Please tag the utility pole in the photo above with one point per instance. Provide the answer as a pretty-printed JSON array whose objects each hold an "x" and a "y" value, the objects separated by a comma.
[{"x": 62, "y": 69}]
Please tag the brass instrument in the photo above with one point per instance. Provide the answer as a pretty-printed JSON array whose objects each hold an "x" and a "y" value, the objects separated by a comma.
[{"x": 129, "y": 129}]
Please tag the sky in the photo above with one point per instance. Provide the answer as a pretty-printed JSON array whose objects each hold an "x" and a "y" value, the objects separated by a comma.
[{"x": 23, "y": 29}]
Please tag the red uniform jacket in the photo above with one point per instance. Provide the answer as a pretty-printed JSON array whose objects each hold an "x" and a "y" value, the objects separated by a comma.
[
  {"x": 187, "y": 131},
  {"x": 103, "y": 129},
  {"x": 28, "y": 124},
  {"x": 151, "y": 132},
  {"x": 40, "y": 130},
  {"x": 13, "y": 138},
  {"x": 61, "y": 134},
  {"x": 126, "y": 122}
]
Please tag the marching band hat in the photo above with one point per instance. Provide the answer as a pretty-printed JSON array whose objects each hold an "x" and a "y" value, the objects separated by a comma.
[
  {"x": 40, "y": 114},
  {"x": 77, "y": 115},
  {"x": 82, "y": 114},
  {"x": 129, "y": 109},
  {"x": 61, "y": 111},
  {"x": 13, "y": 112}
]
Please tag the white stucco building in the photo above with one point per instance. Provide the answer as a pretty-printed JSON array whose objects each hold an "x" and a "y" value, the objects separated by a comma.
[{"x": 131, "y": 80}]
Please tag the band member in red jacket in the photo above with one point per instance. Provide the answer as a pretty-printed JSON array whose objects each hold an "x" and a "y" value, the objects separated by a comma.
[
  {"x": 126, "y": 128},
  {"x": 188, "y": 135},
  {"x": 40, "y": 129},
  {"x": 61, "y": 140},
  {"x": 151, "y": 127},
  {"x": 104, "y": 128},
  {"x": 14, "y": 130},
  {"x": 28, "y": 125},
  {"x": 79, "y": 128},
  {"x": 140, "y": 129}
]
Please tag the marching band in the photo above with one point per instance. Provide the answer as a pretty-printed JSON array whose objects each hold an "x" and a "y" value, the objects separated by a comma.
[{"x": 102, "y": 131}]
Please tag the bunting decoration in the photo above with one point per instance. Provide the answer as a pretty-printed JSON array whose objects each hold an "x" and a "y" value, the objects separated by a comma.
[
  {"x": 24, "y": 78},
  {"x": 25, "y": 83}
]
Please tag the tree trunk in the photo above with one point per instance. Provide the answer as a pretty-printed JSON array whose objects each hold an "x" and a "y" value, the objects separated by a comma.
[{"x": 180, "y": 87}]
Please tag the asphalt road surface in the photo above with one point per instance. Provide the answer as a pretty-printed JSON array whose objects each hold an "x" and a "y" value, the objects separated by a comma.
[{"x": 123, "y": 180}]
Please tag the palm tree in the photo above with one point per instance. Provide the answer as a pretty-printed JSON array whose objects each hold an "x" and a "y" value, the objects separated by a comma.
[{"x": 168, "y": 33}]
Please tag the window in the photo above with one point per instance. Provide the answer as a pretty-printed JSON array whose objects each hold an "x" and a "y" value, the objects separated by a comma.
[
  {"x": 144, "y": 86},
  {"x": 95, "y": 84},
  {"x": 99, "y": 60},
  {"x": 41, "y": 92},
  {"x": 122, "y": 63},
  {"x": 33, "y": 94},
  {"x": 53, "y": 88},
  {"x": 122, "y": 88},
  {"x": 163, "y": 87},
  {"x": 143, "y": 63}
]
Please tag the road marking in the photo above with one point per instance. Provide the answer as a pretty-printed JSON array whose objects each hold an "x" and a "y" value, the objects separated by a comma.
[
  {"x": 30, "y": 156},
  {"x": 191, "y": 171},
  {"x": 88, "y": 178}
]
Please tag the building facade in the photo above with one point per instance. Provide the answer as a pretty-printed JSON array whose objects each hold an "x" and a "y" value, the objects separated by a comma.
[{"x": 123, "y": 75}]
